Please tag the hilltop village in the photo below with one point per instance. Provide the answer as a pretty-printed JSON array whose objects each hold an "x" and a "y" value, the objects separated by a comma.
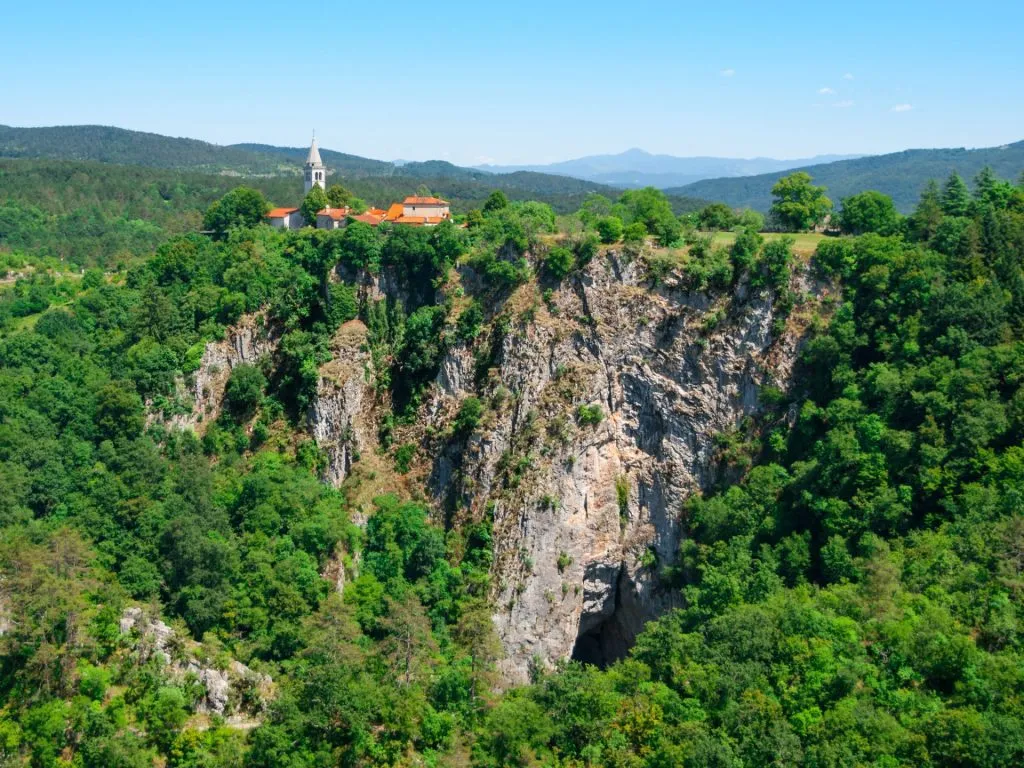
[{"x": 416, "y": 211}]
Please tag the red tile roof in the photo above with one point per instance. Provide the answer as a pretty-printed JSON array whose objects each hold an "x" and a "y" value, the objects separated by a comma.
[
  {"x": 278, "y": 213},
  {"x": 394, "y": 212},
  {"x": 414, "y": 200},
  {"x": 368, "y": 218},
  {"x": 418, "y": 221},
  {"x": 335, "y": 213},
  {"x": 377, "y": 211}
]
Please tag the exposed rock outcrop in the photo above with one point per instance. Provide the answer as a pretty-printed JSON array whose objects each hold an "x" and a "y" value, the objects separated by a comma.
[
  {"x": 343, "y": 418},
  {"x": 586, "y": 504},
  {"x": 235, "y": 691},
  {"x": 585, "y": 515},
  {"x": 247, "y": 341}
]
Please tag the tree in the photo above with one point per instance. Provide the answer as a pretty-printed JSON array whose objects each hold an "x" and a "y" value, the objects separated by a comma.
[
  {"x": 956, "y": 197},
  {"x": 925, "y": 220},
  {"x": 595, "y": 206},
  {"x": 241, "y": 207},
  {"x": 559, "y": 262},
  {"x": 119, "y": 411},
  {"x": 717, "y": 216},
  {"x": 244, "y": 390},
  {"x": 650, "y": 207},
  {"x": 635, "y": 233},
  {"x": 610, "y": 228},
  {"x": 338, "y": 196},
  {"x": 495, "y": 202},
  {"x": 798, "y": 204},
  {"x": 315, "y": 201},
  {"x": 869, "y": 212},
  {"x": 361, "y": 247}
]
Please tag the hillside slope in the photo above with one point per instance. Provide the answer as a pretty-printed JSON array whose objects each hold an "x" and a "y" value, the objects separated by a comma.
[
  {"x": 901, "y": 175},
  {"x": 383, "y": 181}
]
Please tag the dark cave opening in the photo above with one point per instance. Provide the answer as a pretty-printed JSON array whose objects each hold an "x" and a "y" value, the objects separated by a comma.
[{"x": 587, "y": 649}]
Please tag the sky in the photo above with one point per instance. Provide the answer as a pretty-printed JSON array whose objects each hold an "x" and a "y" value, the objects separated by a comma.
[{"x": 526, "y": 82}]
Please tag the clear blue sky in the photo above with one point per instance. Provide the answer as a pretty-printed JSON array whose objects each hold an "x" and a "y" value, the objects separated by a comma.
[{"x": 515, "y": 82}]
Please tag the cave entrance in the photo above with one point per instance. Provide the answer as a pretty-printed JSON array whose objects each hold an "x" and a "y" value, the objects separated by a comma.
[{"x": 604, "y": 636}]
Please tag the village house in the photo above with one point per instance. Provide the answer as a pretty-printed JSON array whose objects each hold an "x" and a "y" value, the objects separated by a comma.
[
  {"x": 286, "y": 218},
  {"x": 416, "y": 211}
]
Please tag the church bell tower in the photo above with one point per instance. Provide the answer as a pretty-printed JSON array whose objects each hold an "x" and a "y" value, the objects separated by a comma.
[{"x": 314, "y": 171}]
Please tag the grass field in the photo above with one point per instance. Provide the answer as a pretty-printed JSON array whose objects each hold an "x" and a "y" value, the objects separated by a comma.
[{"x": 805, "y": 242}]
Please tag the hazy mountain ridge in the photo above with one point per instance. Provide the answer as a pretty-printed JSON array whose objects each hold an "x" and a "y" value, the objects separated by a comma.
[
  {"x": 638, "y": 168},
  {"x": 901, "y": 175}
]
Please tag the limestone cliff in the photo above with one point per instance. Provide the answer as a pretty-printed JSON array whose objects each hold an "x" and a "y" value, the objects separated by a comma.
[
  {"x": 585, "y": 516},
  {"x": 585, "y": 502}
]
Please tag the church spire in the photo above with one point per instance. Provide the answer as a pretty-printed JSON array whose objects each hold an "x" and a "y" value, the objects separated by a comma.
[{"x": 314, "y": 172}]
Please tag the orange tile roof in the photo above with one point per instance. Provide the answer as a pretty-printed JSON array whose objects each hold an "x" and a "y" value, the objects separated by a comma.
[
  {"x": 335, "y": 213},
  {"x": 418, "y": 221},
  {"x": 415, "y": 200},
  {"x": 394, "y": 212},
  {"x": 277, "y": 213},
  {"x": 377, "y": 211},
  {"x": 372, "y": 219}
]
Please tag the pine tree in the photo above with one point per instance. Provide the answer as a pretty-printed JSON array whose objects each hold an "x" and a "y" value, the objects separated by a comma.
[
  {"x": 928, "y": 213},
  {"x": 956, "y": 197}
]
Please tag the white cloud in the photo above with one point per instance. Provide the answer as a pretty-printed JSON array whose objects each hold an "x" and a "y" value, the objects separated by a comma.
[
  {"x": 847, "y": 76},
  {"x": 902, "y": 108},
  {"x": 826, "y": 91},
  {"x": 844, "y": 104},
  {"x": 727, "y": 72}
]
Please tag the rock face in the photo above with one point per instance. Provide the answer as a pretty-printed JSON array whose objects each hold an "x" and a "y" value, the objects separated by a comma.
[
  {"x": 603, "y": 405},
  {"x": 342, "y": 418},
  {"x": 227, "y": 691},
  {"x": 245, "y": 342},
  {"x": 587, "y": 514}
]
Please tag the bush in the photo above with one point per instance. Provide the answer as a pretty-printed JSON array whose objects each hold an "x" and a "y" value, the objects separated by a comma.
[
  {"x": 468, "y": 418},
  {"x": 635, "y": 233},
  {"x": 589, "y": 415},
  {"x": 244, "y": 390},
  {"x": 559, "y": 262},
  {"x": 404, "y": 455},
  {"x": 610, "y": 229}
]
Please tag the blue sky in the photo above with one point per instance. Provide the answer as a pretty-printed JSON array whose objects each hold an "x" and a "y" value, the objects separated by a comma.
[{"x": 528, "y": 81}]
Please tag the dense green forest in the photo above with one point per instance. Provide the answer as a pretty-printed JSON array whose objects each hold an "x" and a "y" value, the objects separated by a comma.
[
  {"x": 88, "y": 213},
  {"x": 900, "y": 175},
  {"x": 855, "y": 598}
]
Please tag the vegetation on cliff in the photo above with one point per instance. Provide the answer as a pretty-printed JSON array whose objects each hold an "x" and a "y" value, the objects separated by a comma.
[{"x": 854, "y": 599}]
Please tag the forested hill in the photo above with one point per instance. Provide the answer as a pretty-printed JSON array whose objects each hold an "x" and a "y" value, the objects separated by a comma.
[
  {"x": 90, "y": 213},
  {"x": 901, "y": 175},
  {"x": 106, "y": 144}
]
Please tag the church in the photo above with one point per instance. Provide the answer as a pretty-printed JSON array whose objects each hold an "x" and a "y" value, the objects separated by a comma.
[{"x": 415, "y": 211}]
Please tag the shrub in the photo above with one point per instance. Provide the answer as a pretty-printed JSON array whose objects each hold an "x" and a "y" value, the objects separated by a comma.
[
  {"x": 589, "y": 415},
  {"x": 610, "y": 229},
  {"x": 469, "y": 415},
  {"x": 635, "y": 233},
  {"x": 403, "y": 457},
  {"x": 559, "y": 262}
]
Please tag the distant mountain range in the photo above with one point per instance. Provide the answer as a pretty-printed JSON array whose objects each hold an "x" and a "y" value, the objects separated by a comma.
[
  {"x": 901, "y": 175},
  {"x": 637, "y": 168},
  {"x": 376, "y": 180}
]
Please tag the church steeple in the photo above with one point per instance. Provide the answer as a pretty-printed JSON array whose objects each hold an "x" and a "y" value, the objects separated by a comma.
[{"x": 314, "y": 171}]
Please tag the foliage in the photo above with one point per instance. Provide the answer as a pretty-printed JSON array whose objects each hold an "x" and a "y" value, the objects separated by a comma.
[
  {"x": 717, "y": 216},
  {"x": 241, "y": 207},
  {"x": 314, "y": 202},
  {"x": 869, "y": 212},
  {"x": 589, "y": 415},
  {"x": 610, "y": 229},
  {"x": 798, "y": 204},
  {"x": 559, "y": 262}
]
